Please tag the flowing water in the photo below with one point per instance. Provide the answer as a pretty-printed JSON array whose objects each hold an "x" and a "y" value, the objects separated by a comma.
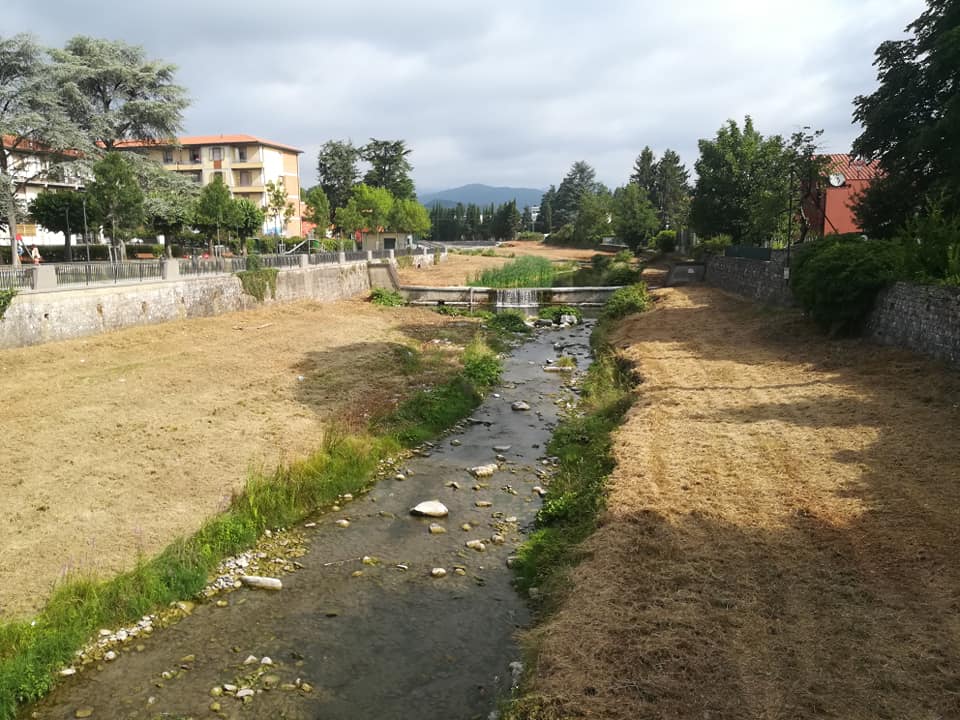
[
  {"x": 391, "y": 643},
  {"x": 518, "y": 299}
]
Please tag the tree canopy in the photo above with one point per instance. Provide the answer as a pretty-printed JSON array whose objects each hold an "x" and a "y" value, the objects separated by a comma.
[
  {"x": 580, "y": 180},
  {"x": 911, "y": 123},
  {"x": 389, "y": 167},
  {"x": 114, "y": 92},
  {"x": 634, "y": 219},
  {"x": 337, "y": 171},
  {"x": 116, "y": 199}
]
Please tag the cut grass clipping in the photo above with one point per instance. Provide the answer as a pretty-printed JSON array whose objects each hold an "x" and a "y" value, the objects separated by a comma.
[{"x": 31, "y": 652}]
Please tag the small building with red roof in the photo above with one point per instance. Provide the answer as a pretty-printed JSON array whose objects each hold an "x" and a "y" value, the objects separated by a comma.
[{"x": 829, "y": 208}]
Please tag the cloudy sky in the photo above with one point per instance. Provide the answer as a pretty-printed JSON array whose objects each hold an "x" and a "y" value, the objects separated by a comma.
[{"x": 504, "y": 93}]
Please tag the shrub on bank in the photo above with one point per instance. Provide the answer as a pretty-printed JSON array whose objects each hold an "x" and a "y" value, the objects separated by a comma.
[
  {"x": 836, "y": 281},
  {"x": 715, "y": 245},
  {"x": 626, "y": 301},
  {"x": 386, "y": 298}
]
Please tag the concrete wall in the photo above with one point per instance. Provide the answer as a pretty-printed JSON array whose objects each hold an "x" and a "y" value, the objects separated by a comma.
[
  {"x": 35, "y": 318},
  {"x": 468, "y": 296},
  {"x": 918, "y": 317},
  {"x": 756, "y": 279}
]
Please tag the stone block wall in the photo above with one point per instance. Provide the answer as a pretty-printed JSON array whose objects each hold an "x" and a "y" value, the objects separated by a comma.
[
  {"x": 760, "y": 280},
  {"x": 35, "y": 318},
  {"x": 919, "y": 317}
]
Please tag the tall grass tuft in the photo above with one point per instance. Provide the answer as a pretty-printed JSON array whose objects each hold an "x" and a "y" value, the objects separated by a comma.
[{"x": 527, "y": 271}]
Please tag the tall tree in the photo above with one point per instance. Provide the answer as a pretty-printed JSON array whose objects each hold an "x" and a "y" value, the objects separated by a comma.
[
  {"x": 580, "y": 180},
  {"x": 318, "y": 208},
  {"x": 409, "y": 216},
  {"x": 212, "y": 211},
  {"x": 368, "y": 209},
  {"x": 671, "y": 192},
  {"x": 545, "y": 219},
  {"x": 59, "y": 211},
  {"x": 247, "y": 218},
  {"x": 168, "y": 200},
  {"x": 592, "y": 223},
  {"x": 743, "y": 187},
  {"x": 389, "y": 167},
  {"x": 32, "y": 121},
  {"x": 337, "y": 171},
  {"x": 116, "y": 93},
  {"x": 645, "y": 171},
  {"x": 279, "y": 206},
  {"x": 116, "y": 199},
  {"x": 634, "y": 218},
  {"x": 911, "y": 123}
]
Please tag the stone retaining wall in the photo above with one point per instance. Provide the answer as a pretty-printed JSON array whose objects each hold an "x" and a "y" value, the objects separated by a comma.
[
  {"x": 918, "y": 317},
  {"x": 35, "y": 318},
  {"x": 760, "y": 280}
]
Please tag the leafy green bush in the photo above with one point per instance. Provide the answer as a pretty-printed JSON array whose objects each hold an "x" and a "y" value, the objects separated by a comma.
[
  {"x": 624, "y": 256},
  {"x": 619, "y": 273},
  {"x": 554, "y": 312},
  {"x": 386, "y": 298},
  {"x": 626, "y": 301},
  {"x": 931, "y": 243},
  {"x": 666, "y": 241},
  {"x": 489, "y": 252},
  {"x": 256, "y": 282},
  {"x": 6, "y": 297},
  {"x": 254, "y": 263},
  {"x": 481, "y": 366},
  {"x": 509, "y": 321},
  {"x": 836, "y": 281},
  {"x": 715, "y": 245},
  {"x": 454, "y": 311},
  {"x": 600, "y": 262}
]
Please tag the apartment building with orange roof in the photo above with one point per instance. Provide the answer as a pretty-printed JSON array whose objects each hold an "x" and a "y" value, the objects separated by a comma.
[{"x": 245, "y": 163}]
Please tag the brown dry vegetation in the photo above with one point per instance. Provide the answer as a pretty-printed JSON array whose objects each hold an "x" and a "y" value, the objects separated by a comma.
[
  {"x": 116, "y": 444},
  {"x": 781, "y": 532}
]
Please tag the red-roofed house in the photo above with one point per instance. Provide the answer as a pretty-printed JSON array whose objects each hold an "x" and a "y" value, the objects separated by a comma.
[
  {"x": 830, "y": 210},
  {"x": 245, "y": 164}
]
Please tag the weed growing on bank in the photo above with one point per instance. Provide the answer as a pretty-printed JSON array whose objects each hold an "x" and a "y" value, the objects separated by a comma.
[
  {"x": 386, "y": 298},
  {"x": 256, "y": 280}
]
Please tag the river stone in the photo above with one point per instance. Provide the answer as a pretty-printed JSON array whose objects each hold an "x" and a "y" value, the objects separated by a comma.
[
  {"x": 215, "y": 706},
  {"x": 227, "y": 687},
  {"x": 343, "y": 523},
  {"x": 400, "y": 476},
  {"x": 520, "y": 405},
  {"x": 497, "y": 539},
  {"x": 251, "y": 660},
  {"x": 83, "y": 712},
  {"x": 436, "y": 529},
  {"x": 501, "y": 448},
  {"x": 484, "y": 471},
  {"x": 244, "y": 693},
  {"x": 110, "y": 655},
  {"x": 483, "y": 503},
  {"x": 264, "y": 583},
  {"x": 456, "y": 443},
  {"x": 67, "y": 672},
  {"x": 271, "y": 681},
  {"x": 539, "y": 490},
  {"x": 466, "y": 527},
  {"x": 476, "y": 545},
  {"x": 430, "y": 508},
  {"x": 453, "y": 484},
  {"x": 306, "y": 687},
  {"x": 438, "y": 572},
  {"x": 568, "y": 320},
  {"x": 216, "y": 691},
  {"x": 459, "y": 571}
]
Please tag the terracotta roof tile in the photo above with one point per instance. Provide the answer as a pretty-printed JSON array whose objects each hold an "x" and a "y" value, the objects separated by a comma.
[{"x": 853, "y": 167}]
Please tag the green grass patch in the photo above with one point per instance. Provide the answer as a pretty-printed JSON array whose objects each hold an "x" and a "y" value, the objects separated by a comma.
[
  {"x": 553, "y": 313},
  {"x": 6, "y": 297},
  {"x": 257, "y": 282},
  {"x": 454, "y": 311},
  {"x": 509, "y": 321},
  {"x": 386, "y": 297},
  {"x": 528, "y": 271}
]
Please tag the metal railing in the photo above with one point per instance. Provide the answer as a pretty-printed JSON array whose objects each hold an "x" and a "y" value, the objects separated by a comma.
[
  {"x": 356, "y": 255},
  {"x": 103, "y": 272},
  {"x": 404, "y": 251},
  {"x": 280, "y": 261},
  {"x": 381, "y": 254},
  {"x": 212, "y": 266},
  {"x": 323, "y": 258},
  {"x": 12, "y": 278}
]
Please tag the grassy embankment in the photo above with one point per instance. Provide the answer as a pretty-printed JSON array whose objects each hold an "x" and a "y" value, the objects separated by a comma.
[
  {"x": 32, "y": 651},
  {"x": 578, "y": 490}
]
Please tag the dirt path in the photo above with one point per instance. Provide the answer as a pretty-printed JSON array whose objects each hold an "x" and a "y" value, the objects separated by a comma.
[
  {"x": 124, "y": 441},
  {"x": 781, "y": 533}
]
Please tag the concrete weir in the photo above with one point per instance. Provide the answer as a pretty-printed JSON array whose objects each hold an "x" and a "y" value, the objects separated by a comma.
[{"x": 513, "y": 298}]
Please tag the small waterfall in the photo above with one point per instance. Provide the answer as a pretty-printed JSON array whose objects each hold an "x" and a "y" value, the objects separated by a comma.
[{"x": 518, "y": 299}]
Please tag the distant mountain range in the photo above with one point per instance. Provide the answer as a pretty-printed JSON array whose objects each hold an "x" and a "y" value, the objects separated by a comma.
[{"x": 482, "y": 195}]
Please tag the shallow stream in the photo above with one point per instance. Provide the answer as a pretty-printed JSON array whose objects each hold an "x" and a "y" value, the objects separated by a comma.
[{"x": 391, "y": 642}]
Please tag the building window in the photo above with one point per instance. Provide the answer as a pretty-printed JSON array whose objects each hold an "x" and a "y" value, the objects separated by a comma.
[
  {"x": 168, "y": 156},
  {"x": 216, "y": 153},
  {"x": 195, "y": 155},
  {"x": 245, "y": 178},
  {"x": 241, "y": 154}
]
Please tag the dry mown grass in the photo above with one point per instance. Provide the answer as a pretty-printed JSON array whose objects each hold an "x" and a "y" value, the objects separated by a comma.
[
  {"x": 781, "y": 532},
  {"x": 119, "y": 443}
]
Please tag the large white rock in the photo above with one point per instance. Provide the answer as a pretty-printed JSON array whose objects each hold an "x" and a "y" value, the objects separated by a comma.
[
  {"x": 484, "y": 471},
  {"x": 430, "y": 508},
  {"x": 264, "y": 583}
]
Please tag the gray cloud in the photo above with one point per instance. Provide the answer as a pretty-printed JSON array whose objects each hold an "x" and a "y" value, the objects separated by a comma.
[{"x": 501, "y": 92}]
